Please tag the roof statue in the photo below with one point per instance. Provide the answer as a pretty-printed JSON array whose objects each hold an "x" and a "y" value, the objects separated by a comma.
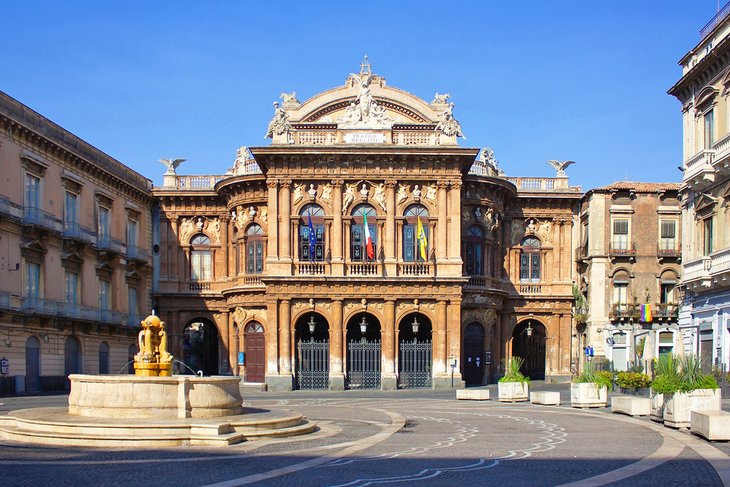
[
  {"x": 560, "y": 167},
  {"x": 290, "y": 99},
  {"x": 440, "y": 99},
  {"x": 364, "y": 112},
  {"x": 448, "y": 124},
  {"x": 171, "y": 165},
  {"x": 279, "y": 124}
]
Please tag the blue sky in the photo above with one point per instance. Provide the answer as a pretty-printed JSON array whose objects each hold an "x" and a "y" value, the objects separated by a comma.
[{"x": 576, "y": 80}]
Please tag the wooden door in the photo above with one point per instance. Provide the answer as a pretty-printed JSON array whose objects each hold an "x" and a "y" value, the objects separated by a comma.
[{"x": 255, "y": 354}]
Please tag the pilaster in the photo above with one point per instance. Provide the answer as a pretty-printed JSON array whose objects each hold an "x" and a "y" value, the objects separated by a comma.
[
  {"x": 388, "y": 379},
  {"x": 337, "y": 376}
]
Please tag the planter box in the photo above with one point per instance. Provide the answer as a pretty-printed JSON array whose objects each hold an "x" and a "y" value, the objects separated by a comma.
[
  {"x": 657, "y": 406},
  {"x": 513, "y": 391},
  {"x": 678, "y": 407},
  {"x": 631, "y": 405},
  {"x": 588, "y": 395}
]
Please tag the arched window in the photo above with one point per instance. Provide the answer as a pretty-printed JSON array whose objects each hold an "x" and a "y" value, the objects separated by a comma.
[
  {"x": 103, "y": 358},
  {"x": 474, "y": 251},
  {"x": 254, "y": 249},
  {"x": 530, "y": 259},
  {"x": 200, "y": 258},
  {"x": 415, "y": 236},
  {"x": 359, "y": 249},
  {"x": 311, "y": 236}
]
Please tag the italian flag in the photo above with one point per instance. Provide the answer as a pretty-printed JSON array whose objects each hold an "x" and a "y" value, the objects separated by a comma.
[{"x": 368, "y": 238}]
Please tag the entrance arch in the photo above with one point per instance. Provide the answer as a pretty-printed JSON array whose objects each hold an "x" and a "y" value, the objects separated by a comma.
[
  {"x": 200, "y": 347},
  {"x": 528, "y": 342},
  {"x": 312, "y": 360},
  {"x": 474, "y": 354},
  {"x": 32, "y": 365},
  {"x": 363, "y": 352},
  {"x": 415, "y": 352},
  {"x": 255, "y": 352}
]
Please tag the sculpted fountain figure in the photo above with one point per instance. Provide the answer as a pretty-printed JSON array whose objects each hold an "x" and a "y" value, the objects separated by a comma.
[{"x": 153, "y": 358}]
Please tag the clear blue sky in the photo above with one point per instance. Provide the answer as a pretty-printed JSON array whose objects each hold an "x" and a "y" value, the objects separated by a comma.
[{"x": 576, "y": 80}]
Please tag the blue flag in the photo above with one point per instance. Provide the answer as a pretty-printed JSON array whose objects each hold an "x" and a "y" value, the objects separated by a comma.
[{"x": 312, "y": 238}]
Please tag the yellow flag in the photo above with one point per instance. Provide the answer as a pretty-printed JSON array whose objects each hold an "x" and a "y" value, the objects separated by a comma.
[{"x": 421, "y": 239}]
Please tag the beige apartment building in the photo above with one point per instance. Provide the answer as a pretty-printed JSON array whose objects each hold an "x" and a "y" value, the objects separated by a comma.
[
  {"x": 75, "y": 267},
  {"x": 705, "y": 191},
  {"x": 629, "y": 257}
]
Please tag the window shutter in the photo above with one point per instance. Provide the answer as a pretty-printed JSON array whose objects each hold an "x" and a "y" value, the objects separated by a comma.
[
  {"x": 668, "y": 229},
  {"x": 620, "y": 227}
]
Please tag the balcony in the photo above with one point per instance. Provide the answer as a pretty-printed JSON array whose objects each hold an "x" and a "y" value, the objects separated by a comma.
[
  {"x": 698, "y": 170},
  {"x": 199, "y": 182},
  {"x": 414, "y": 269},
  {"x": 581, "y": 253},
  {"x": 363, "y": 269},
  {"x": 74, "y": 231},
  {"x": 10, "y": 209},
  {"x": 37, "y": 217},
  {"x": 665, "y": 311},
  {"x": 697, "y": 272},
  {"x": 479, "y": 282},
  {"x": 632, "y": 312},
  {"x": 622, "y": 251},
  {"x": 198, "y": 286},
  {"x": 530, "y": 288},
  {"x": 35, "y": 306},
  {"x": 106, "y": 242},
  {"x": 625, "y": 311},
  {"x": 251, "y": 281},
  {"x": 666, "y": 254},
  {"x": 137, "y": 254}
]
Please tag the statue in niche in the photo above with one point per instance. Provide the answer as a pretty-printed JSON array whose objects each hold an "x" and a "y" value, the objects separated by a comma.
[
  {"x": 214, "y": 230},
  {"x": 279, "y": 124},
  {"x": 440, "y": 99},
  {"x": 431, "y": 193},
  {"x": 402, "y": 193},
  {"x": 187, "y": 228},
  {"x": 327, "y": 193},
  {"x": 251, "y": 212},
  {"x": 312, "y": 192},
  {"x": 364, "y": 192},
  {"x": 297, "y": 193},
  {"x": 264, "y": 214},
  {"x": 448, "y": 124},
  {"x": 416, "y": 193},
  {"x": 348, "y": 198},
  {"x": 379, "y": 195}
]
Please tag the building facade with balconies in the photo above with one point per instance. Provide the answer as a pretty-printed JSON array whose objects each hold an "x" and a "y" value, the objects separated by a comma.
[
  {"x": 364, "y": 248},
  {"x": 75, "y": 264},
  {"x": 629, "y": 257},
  {"x": 705, "y": 192}
]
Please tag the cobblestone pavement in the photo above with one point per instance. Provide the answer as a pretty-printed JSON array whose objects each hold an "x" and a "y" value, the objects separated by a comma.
[{"x": 403, "y": 438}]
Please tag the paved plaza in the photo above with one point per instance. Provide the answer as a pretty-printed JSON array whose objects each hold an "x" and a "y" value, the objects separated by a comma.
[{"x": 402, "y": 438}]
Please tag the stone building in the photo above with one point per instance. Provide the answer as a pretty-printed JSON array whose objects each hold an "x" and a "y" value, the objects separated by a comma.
[
  {"x": 629, "y": 256},
  {"x": 75, "y": 269},
  {"x": 364, "y": 248},
  {"x": 703, "y": 92}
]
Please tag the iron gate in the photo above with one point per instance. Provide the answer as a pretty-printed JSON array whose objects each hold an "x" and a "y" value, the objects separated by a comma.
[
  {"x": 313, "y": 364},
  {"x": 414, "y": 364},
  {"x": 363, "y": 364}
]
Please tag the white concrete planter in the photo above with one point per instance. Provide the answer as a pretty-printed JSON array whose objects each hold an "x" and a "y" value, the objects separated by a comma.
[
  {"x": 588, "y": 395},
  {"x": 678, "y": 407},
  {"x": 513, "y": 391},
  {"x": 657, "y": 406}
]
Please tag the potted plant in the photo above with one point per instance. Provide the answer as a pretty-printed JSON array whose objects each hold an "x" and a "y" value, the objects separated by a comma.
[
  {"x": 695, "y": 392},
  {"x": 513, "y": 386},
  {"x": 590, "y": 388},
  {"x": 632, "y": 382},
  {"x": 666, "y": 380}
]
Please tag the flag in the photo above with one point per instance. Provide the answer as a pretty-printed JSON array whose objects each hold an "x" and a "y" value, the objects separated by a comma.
[
  {"x": 368, "y": 239},
  {"x": 421, "y": 239},
  {"x": 312, "y": 238},
  {"x": 645, "y": 310}
]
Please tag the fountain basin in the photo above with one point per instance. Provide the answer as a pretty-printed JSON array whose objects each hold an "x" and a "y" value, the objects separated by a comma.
[{"x": 130, "y": 396}]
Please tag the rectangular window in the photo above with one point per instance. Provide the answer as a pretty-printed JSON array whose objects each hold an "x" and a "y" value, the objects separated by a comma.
[
  {"x": 32, "y": 191},
  {"x": 103, "y": 226},
  {"x": 132, "y": 305},
  {"x": 71, "y": 214},
  {"x": 668, "y": 235},
  {"x": 707, "y": 236},
  {"x": 32, "y": 280},
  {"x": 71, "y": 287},
  {"x": 709, "y": 129},
  {"x": 104, "y": 294},
  {"x": 620, "y": 239},
  {"x": 620, "y": 295},
  {"x": 200, "y": 269},
  {"x": 666, "y": 342},
  {"x": 132, "y": 232}
]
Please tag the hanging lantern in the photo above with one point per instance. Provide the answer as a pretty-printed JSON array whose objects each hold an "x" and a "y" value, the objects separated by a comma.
[
  {"x": 528, "y": 330},
  {"x": 415, "y": 325},
  {"x": 363, "y": 325},
  {"x": 311, "y": 323}
]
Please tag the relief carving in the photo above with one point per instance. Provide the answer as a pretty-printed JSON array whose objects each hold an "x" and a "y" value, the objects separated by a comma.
[
  {"x": 402, "y": 193},
  {"x": 431, "y": 193},
  {"x": 327, "y": 193},
  {"x": 379, "y": 195}
]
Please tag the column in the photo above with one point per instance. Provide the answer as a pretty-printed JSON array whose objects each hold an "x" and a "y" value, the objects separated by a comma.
[
  {"x": 166, "y": 239},
  {"x": 453, "y": 336},
  {"x": 285, "y": 224},
  {"x": 337, "y": 376},
  {"x": 225, "y": 329},
  {"x": 440, "y": 358},
  {"x": 388, "y": 379},
  {"x": 224, "y": 247},
  {"x": 389, "y": 232},
  {"x": 441, "y": 249},
  {"x": 272, "y": 342},
  {"x": 337, "y": 261},
  {"x": 454, "y": 236},
  {"x": 272, "y": 252},
  {"x": 285, "y": 337}
]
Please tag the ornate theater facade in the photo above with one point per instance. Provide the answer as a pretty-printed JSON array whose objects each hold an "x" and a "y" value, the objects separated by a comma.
[{"x": 364, "y": 248}]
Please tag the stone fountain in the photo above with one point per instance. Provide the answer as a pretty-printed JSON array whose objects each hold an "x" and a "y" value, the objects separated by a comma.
[{"x": 151, "y": 408}]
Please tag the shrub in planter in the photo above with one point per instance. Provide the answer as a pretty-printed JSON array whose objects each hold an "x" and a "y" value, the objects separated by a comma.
[
  {"x": 687, "y": 390},
  {"x": 590, "y": 388},
  {"x": 513, "y": 386},
  {"x": 632, "y": 381},
  {"x": 665, "y": 382}
]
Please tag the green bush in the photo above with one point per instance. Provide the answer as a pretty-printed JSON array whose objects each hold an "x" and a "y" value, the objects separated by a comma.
[
  {"x": 512, "y": 372},
  {"x": 632, "y": 380},
  {"x": 681, "y": 374},
  {"x": 603, "y": 378}
]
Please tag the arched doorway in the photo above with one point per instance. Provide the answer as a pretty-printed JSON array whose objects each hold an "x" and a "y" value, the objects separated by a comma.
[
  {"x": 32, "y": 365},
  {"x": 363, "y": 352},
  {"x": 528, "y": 342},
  {"x": 415, "y": 352},
  {"x": 474, "y": 354},
  {"x": 200, "y": 347},
  {"x": 72, "y": 358},
  {"x": 312, "y": 361},
  {"x": 255, "y": 352}
]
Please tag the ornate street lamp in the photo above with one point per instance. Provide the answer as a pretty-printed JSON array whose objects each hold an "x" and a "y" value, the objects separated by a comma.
[
  {"x": 414, "y": 325},
  {"x": 311, "y": 323},
  {"x": 528, "y": 330},
  {"x": 363, "y": 325}
]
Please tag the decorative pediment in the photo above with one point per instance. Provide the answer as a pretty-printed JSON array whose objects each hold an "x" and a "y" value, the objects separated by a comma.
[
  {"x": 72, "y": 253},
  {"x": 704, "y": 203},
  {"x": 706, "y": 96},
  {"x": 33, "y": 247}
]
